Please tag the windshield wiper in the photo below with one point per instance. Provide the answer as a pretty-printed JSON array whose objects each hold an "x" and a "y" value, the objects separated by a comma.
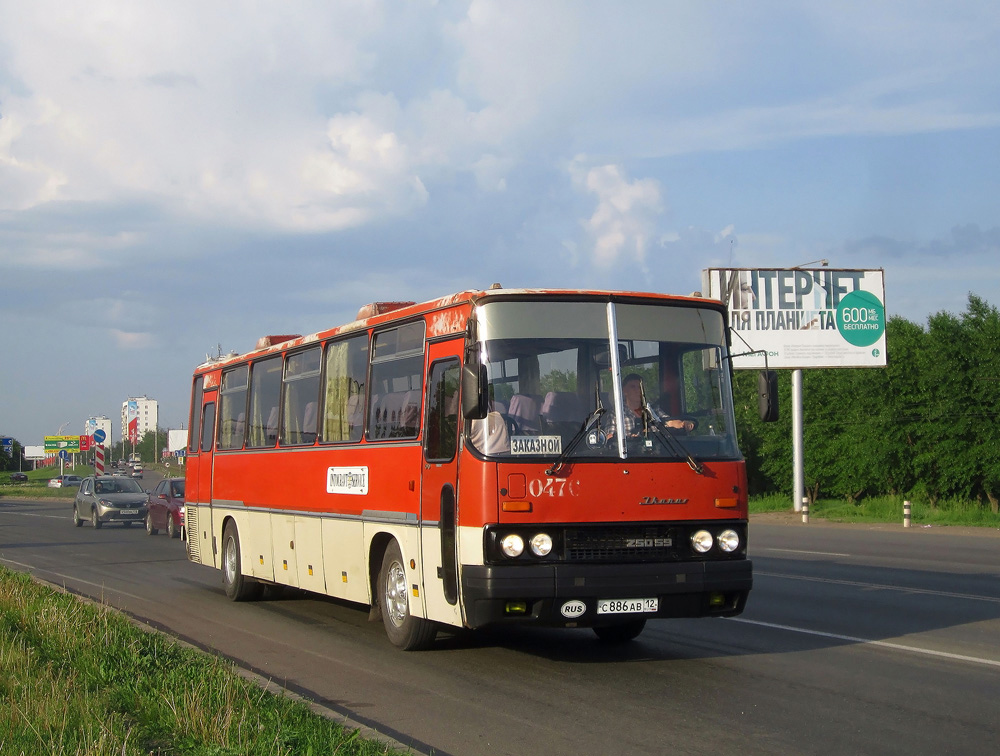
[
  {"x": 593, "y": 419},
  {"x": 661, "y": 432}
]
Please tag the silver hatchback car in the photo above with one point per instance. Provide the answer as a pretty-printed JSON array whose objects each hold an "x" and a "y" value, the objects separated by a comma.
[{"x": 105, "y": 498}]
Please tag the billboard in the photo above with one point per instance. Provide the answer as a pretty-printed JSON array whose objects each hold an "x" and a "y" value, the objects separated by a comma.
[
  {"x": 177, "y": 440},
  {"x": 132, "y": 421},
  {"x": 803, "y": 317},
  {"x": 55, "y": 444},
  {"x": 34, "y": 452}
]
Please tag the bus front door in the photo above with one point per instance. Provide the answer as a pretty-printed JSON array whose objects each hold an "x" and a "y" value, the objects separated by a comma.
[
  {"x": 206, "y": 544},
  {"x": 439, "y": 480}
]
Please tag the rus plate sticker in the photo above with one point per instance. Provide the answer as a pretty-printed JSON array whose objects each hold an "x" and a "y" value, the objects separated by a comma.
[
  {"x": 347, "y": 480},
  {"x": 536, "y": 445}
]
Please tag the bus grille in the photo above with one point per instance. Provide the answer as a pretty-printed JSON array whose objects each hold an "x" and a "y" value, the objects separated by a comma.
[
  {"x": 193, "y": 537},
  {"x": 625, "y": 543}
]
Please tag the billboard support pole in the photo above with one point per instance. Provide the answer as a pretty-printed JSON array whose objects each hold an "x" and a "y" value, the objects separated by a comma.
[{"x": 798, "y": 467}]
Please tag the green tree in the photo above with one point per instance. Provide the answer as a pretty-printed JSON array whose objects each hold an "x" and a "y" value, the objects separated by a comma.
[
  {"x": 926, "y": 424},
  {"x": 981, "y": 327}
]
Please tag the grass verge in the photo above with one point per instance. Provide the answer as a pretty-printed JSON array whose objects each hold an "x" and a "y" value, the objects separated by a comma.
[
  {"x": 80, "y": 678},
  {"x": 885, "y": 509}
]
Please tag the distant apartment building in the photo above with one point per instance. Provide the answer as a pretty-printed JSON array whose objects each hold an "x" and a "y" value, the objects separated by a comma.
[{"x": 139, "y": 415}]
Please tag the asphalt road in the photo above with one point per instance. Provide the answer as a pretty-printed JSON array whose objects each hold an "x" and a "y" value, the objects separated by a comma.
[{"x": 855, "y": 640}]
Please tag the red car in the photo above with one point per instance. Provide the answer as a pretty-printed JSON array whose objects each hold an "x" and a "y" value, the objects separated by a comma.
[{"x": 166, "y": 508}]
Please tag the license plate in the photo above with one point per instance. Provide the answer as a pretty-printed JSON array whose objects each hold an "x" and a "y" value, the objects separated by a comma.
[
  {"x": 129, "y": 511},
  {"x": 627, "y": 606}
]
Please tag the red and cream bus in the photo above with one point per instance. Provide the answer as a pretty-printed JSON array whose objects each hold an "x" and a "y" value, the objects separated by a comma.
[{"x": 457, "y": 463}]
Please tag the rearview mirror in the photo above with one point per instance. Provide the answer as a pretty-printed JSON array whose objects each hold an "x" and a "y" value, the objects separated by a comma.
[
  {"x": 474, "y": 399},
  {"x": 603, "y": 357},
  {"x": 767, "y": 395}
]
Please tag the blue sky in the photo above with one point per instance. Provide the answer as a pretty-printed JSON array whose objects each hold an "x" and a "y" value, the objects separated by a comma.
[{"x": 180, "y": 176}]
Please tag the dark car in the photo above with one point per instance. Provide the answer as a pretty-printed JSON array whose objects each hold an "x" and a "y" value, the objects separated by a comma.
[
  {"x": 166, "y": 508},
  {"x": 104, "y": 498},
  {"x": 18, "y": 477}
]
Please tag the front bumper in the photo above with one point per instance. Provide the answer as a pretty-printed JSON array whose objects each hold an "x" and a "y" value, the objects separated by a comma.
[{"x": 685, "y": 589}]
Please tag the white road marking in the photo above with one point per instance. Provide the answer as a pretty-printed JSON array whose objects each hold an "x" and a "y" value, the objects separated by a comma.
[
  {"x": 29, "y": 514},
  {"x": 870, "y": 642},
  {"x": 881, "y": 586},
  {"x": 812, "y": 553}
]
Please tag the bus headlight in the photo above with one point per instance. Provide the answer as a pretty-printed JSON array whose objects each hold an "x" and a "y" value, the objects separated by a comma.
[
  {"x": 512, "y": 545},
  {"x": 702, "y": 541},
  {"x": 729, "y": 540},
  {"x": 541, "y": 544}
]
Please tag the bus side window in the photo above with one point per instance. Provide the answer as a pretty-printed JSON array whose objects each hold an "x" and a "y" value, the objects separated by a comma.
[
  {"x": 197, "y": 396},
  {"x": 441, "y": 439},
  {"x": 344, "y": 391},
  {"x": 265, "y": 388},
  {"x": 207, "y": 426},
  {"x": 397, "y": 368},
  {"x": 232, "y": 407},
  {"x": 301, "y": 389}
]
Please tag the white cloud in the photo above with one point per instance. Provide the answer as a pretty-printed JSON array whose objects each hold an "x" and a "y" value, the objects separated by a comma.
[
  {"x": 105, "y": 102},
  {"x": 624, "y": 220},
  {"x": 130, "y": 340}
]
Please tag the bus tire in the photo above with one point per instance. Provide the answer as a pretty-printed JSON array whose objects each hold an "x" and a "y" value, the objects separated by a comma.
[
  {"x": 404, "y": 630},
  {"x": 238, "y": 586},
  {"x": 621, "y": 633}
]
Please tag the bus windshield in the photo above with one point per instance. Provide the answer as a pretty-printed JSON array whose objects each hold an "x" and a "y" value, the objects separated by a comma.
[{"x": 552, "y": 365}]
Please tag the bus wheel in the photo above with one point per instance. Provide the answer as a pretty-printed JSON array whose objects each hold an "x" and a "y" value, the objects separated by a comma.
[
  {"x": 404, "y": 630},
  {"x": 238, "y": 586},
  {"x": 626, "y": 631}
]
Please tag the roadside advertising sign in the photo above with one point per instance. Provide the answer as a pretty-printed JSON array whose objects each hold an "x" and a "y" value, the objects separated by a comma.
[
  {"x": 132, "y": 421},
  {"x": 34, "y": 452},
  {"x": 803, "y": 317},
  {"x": 62, "y": 443}
]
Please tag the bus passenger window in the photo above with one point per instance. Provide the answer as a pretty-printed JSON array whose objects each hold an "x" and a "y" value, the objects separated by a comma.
[
  {"x": 265, "y": 388},
  {"x": 344, "y": 392},
  {"x": 232, "y": 407},
  {"x": 396, "y": 382},
  {"x": 301, "y": 390}
]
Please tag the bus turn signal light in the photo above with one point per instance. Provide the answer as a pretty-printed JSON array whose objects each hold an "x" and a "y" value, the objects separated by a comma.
[{"x": 516, "y": 506}]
